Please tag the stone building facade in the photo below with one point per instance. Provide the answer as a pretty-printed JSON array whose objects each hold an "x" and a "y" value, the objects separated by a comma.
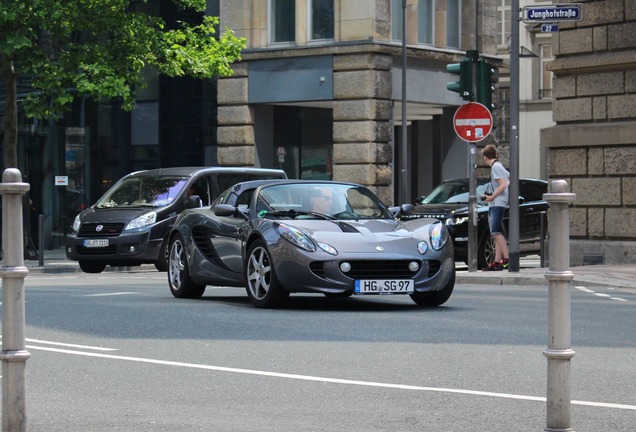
[
  {"x": 352, "y": 81},
  {"x": 593, "y": 145}
]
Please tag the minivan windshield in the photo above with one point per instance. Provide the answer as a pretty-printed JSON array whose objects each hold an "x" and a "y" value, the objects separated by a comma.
[{"x": 143, "y": 191}]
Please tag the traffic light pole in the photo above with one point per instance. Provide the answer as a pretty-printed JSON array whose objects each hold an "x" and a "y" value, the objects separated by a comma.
[
  {"x": 513, "y": 190},
  {"x": 472, "y": 181}
]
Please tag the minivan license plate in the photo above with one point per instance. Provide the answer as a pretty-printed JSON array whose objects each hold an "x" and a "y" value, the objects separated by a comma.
[
  {"x": 386, "y": 286},
  {"x": 96, "y": 243}
]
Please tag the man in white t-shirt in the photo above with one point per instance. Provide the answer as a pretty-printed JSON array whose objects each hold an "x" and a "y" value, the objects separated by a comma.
[{"x": 497, "y": 204}]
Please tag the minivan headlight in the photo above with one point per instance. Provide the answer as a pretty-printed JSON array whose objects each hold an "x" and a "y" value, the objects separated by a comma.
[
  {"x": 76, "y": 224},
  {"x": 142, "y": 221}
]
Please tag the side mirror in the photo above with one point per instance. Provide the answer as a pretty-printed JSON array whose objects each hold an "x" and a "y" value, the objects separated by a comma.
[
  {"x": 407, "y": 209},
  {"x": 224, "y": 210}
]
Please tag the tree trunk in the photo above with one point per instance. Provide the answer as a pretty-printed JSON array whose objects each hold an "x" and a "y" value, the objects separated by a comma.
[{"x": 10, "y": 114}]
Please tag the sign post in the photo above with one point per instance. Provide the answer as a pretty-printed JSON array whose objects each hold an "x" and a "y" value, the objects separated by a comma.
[{"x": 472, "y": 123}]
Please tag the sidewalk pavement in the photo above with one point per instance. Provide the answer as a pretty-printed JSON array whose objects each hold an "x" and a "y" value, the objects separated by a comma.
[{"x": 530, "y": 272}]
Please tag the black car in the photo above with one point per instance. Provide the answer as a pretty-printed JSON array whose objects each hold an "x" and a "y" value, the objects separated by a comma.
[
  {"x": 449, "y": 203},
  {"x": 129, "y": 225}
]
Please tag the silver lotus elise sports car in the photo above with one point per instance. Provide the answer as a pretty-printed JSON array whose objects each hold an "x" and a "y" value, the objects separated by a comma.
[{"x": 275, "y": 237}]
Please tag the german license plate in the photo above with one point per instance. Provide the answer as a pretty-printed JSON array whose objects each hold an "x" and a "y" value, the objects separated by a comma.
[
  {"x": 387, "y": 286},
  {"x": 96, "y": 243}
]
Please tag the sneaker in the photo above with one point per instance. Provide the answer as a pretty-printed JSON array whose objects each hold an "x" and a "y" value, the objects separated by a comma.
[
  {"x": 494, "y": 266},
  {"x": 504, "y": 264}
]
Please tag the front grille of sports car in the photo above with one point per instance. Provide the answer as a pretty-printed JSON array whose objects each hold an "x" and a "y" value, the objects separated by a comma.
[
  {"x": 100, "y": 230},
  {"x": 378, "y": 269}
]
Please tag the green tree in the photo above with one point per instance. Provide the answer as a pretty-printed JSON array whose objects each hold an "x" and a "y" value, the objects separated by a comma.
[{"x": 98, "y": 48}]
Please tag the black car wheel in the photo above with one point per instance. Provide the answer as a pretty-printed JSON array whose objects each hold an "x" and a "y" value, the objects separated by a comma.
[
  {"x": 162, "y": 262},
  {"x": 435, "y": 298},
  {"x": 486, "y": 251},
  {"x": 261, "y": 283},
  {"x": 92, "y": 266},
  {"x": 181, "y": 285}
]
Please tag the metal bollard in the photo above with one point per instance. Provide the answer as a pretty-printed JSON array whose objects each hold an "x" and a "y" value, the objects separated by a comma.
[
  {"x": 559, "y": 353},
  {"x": 14, "y": 353}
]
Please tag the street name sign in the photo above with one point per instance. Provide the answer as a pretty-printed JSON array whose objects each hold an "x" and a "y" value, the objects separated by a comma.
[
  {"x": 472, "y": 122},
  {"x": 553, "y": 13}
]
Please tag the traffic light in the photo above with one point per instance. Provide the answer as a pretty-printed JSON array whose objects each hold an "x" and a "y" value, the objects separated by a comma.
[
  {"x": 487, "y": 78},
  {"x": 465, "y": 84}
]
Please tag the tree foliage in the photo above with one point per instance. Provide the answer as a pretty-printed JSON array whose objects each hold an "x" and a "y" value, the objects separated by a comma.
[{"x": 98, "y": 48}]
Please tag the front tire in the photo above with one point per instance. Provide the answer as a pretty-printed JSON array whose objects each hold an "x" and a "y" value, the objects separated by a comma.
[
  {"x": 261, "y": 283},
  {"x": 179, "y": 280},
  {"x": 92, "y": 266},
  {"x": 435, "y": 298},
  {"x": 162, "y": 262}
]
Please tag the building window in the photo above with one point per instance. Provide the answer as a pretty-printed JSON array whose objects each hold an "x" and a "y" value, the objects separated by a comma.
[
  {"x": 426, "y": 22},
  {"x": 396, "y": 20},
  {"x": 545, "y": 85},
  {"x": 503, "y": 22},
  {"x": 282, "y": 15},
  {"x": 453, "y": 23},
  {"x": 321, "y": 19}
]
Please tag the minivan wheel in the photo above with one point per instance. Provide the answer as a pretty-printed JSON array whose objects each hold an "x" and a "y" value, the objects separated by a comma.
[
  {"x": 162, "y": 262},
  {"x": 92, "y": 266}
]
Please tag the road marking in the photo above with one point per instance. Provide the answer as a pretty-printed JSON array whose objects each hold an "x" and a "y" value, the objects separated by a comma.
[
  {"x": 69, "y": 345},
  {"x": 582, "y": 288},
  {"x": 110, "y": 294},
  {"x": 325, "y": 379},
  {"x": 587, "y": 290}
]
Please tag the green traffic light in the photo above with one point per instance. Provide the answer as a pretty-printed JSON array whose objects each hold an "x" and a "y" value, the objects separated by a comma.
[{"x": 465, "y": 84}]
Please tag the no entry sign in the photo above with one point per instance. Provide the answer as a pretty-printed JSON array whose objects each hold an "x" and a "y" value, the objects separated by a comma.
[{"x": 472, "y": 122}]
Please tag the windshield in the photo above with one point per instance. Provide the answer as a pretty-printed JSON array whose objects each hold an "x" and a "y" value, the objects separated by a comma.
[
  {"x": 454, "y": 191},
  {"x": 333, "y": 200},
  {"x": 157, "y": 191}
]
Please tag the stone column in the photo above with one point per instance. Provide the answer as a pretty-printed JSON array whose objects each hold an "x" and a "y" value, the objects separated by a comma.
[
  {"x": 593, "y": 145},
  {"x": 235, "y": 133},
  {"x": 362, "y": 114}
]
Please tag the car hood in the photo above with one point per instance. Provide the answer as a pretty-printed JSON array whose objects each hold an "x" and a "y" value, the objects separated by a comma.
[
  {"x": 446, "y": 210},
  {"x": 113, "y": 215},
  {"x": 351, "y": 235}
]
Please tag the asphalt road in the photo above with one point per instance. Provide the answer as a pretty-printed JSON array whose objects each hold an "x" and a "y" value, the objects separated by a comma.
[{"x": 116, "y": 352}]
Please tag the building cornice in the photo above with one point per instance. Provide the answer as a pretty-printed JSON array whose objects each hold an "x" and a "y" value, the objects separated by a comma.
[{"x": 596, "y": 62}]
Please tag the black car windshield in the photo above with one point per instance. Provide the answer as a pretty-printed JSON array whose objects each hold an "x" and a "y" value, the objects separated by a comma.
[
  {"x": 143, "y": 191},
  {"x": 453, "y": 192},
  {"x": 334, "y": 200}
]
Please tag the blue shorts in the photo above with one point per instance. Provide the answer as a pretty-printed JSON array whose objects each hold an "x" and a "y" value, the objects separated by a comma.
[{"x": 495, "y": 219}]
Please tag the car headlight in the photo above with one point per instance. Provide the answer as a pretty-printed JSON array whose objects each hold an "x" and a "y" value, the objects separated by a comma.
[
  {"x": 296, "y": 237},
  {"x": 142, "y": 221},
  {"x": 439, "y": 235},
  {"x": 76, "y": 224},
  {"x": 328, "y": 248},
  {"x": 457, "y": 220},
  {"x": 422, "y": 247}
]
